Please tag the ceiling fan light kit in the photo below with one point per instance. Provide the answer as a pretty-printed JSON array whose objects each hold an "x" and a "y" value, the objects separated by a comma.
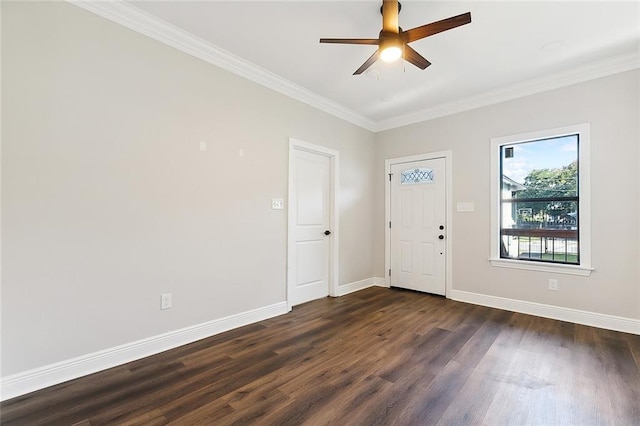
[
  {"x": 390, "y": 49},
  {"x": 393, "y": 42}
]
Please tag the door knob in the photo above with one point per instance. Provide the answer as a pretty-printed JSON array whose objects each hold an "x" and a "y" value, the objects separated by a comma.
[
  {"x": 441, "y": 237},
  {"x": 327, "y": 232},
  {"x": 441, "y": 226}
]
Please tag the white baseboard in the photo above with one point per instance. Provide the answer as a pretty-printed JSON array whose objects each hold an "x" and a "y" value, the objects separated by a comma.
[
  {"x": 360, "y": 285},
  {"x": 53, "y": 374},
  {"x": 593, "y": 319},
  {"x": 380, "y": 282}
]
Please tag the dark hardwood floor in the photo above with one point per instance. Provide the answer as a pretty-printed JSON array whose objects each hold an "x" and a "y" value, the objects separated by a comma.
[{"x": 378, "y": 356}]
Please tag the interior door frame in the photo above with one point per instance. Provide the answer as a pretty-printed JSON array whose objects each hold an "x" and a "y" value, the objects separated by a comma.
[
  {"x": 448, "y": 157},
  {"x": 334, "y": 210}
]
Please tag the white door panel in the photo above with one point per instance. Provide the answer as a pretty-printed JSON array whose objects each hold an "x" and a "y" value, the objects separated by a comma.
[
  {"x": 428, "y": 213},
  {"x": 406, "y": 260},
  {"x": 309, "y": 269},
  {"x": 427, "y": 259},
  {"x": 418, "y": 210},
  {"x": 311, "y": 210},
  {"x": 310, "y": 192}
]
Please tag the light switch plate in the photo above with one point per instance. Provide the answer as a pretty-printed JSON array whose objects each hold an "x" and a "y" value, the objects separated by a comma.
[{"x": 277, "y": 204}]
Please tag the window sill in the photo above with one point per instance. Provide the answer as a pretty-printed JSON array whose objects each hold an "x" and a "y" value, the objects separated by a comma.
[{"x": 546, "y": 267}]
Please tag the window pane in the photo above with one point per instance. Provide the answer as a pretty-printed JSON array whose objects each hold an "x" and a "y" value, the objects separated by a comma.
[
  {"x": 544, "y": 168},
  {"x": 418, "y": 175},
  {"x": 539, "y": 200},
  {"x": 544, "y": 249}
]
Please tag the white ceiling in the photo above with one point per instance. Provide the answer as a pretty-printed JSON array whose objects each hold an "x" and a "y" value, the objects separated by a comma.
[{"x": 510, "y": 49}]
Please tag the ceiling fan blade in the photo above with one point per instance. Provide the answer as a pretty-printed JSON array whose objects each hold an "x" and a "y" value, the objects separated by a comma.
[
  {"x": 390, "y": 16},
  {"x": 367, "y": 63},
  {"x": 410, "y": 55},
  {"x": 436, "y": 27},
  {"x": 350, "y": 40}
]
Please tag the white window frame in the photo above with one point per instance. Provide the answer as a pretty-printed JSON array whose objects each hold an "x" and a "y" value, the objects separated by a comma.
[{"x": 584, "y": 179}]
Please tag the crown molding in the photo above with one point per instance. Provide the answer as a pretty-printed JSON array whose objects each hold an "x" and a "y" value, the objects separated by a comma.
[
  {"x": 593, "y": 71},
  {"x": 136, "y": 19}
]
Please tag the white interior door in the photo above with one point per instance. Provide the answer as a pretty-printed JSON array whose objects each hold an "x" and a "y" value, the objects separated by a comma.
[
  {"x": 311, "y": 212},
  {"x": 418, "y": 228}
]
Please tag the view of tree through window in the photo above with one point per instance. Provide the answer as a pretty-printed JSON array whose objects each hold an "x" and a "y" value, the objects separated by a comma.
[{"x": 539, "y": 199}]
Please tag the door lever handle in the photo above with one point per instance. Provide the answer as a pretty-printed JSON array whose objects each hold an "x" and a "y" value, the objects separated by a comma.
[{"x": 327, "y": 232}]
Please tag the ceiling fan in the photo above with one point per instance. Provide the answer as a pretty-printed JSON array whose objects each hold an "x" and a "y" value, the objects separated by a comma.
[{"x": 393, "y": 42}]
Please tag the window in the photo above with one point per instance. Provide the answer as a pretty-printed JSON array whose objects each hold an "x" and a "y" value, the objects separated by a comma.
[
  {"x": 420, "y": 175},
  {"x": 540, "y": 209}
]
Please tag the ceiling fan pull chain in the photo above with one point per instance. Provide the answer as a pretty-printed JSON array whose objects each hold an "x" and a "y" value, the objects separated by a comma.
[{"x": 404, "y": 49}]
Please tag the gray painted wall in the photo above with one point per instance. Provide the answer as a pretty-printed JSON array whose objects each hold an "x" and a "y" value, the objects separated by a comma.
[
  {"x": 108, "y": 201},
  {"x": 611, "y": 106}
]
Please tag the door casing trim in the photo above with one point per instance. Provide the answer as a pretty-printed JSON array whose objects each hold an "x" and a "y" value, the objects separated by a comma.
[
  {"x": 448, "y": 157},
  {"x": 334, "y": 161}
]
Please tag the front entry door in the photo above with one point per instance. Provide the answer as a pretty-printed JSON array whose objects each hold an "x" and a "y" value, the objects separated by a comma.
[
  {"x": 311, "y": 212},
  {"x": 418, "y": 232}
]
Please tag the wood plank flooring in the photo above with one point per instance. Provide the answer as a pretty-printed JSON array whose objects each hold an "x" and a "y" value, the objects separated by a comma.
[{"x": 376, "y": 357}]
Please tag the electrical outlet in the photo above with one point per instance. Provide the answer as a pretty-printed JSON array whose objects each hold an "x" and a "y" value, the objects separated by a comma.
[
  {"x": 553, "y": 285},
  {"x": 165, "y": 300}
]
